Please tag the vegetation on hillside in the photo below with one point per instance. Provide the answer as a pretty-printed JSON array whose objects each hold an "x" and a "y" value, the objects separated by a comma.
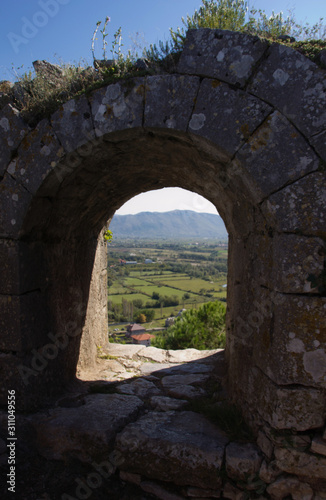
[
  {"x": 202, "y": 328},
  {"x": 234, "y": 15},
  {"x": 40, "y": 96},
  {"x": 176, "y": 224}
]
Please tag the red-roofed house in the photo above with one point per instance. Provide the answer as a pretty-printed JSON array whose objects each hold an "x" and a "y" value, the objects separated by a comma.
[
  {"x": 135, "y": 329},
  {"x": 143, "y": 339}
]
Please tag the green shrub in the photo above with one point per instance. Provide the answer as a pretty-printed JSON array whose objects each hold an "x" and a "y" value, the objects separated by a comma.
[
  {"x": 232, "y": 15},
  {"x": 202, "y": 328}
]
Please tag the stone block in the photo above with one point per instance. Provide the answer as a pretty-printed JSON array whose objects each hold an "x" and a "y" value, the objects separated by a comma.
[
  {"x": 86, "y": 432},
  {"x": 170, "y": 100},
  {"x": 233, "y": 493},
  {"x": 275, "y": 155},
  {"x": 130, "y": 478},
  {"x": 163, "y": 443},
  {"x": 118, "y": 106},
  {"x": 163, "y": 403},
  {"x": 159, "y": 491},
  {"x": 153, "y": 353},
  {"x": 202, "y": 493},
  {"x": 38, "y": 154},
  {"x": 14, "y": 202},
  {"x": 290, "y": 486},
  {"x": 139, "y": 387},
  {"x": 185, "y": 355},
  {"x": 252, "y": 317},
  {"x": 13, "y": 129},
  {"x": 50, "y": 72},
  {"x": 319, "y": 143},
  {"x": 72, "y": 124},
  {"x": 296, "y": 408},
  {"x": 301, "y": 441},
  {"x": 21, "y": 265},
  {"x": 23, "y": 321},
  {"x": 299, "y": 207},
  {"x": 296, "y": 352},
  {"x": 225, "y": 116},
  {"x": 269, "y": 472},
  {"x": 179, "y": 386},
  {"x": 9, "y": 258},
  {"x": 242, "y": 460},
  {"x": 30, "y": 391},
  {"x": 298, "y": 264},
  {"x": 246, "y": 263},
  {"x": 265, "y": 444},
  {"x": 300, "y": 463},
  {"x": 6, "y": 96},
  {"x": 151, "y": 367},
  {"x": 128, "y": 351},
  {"x": 221, "y": 54},
  {"x": 295, "y": 86},
  {"x": 318, "y": 445}
]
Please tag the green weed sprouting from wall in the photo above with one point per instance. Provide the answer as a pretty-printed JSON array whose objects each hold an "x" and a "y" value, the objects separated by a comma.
[{"x": 107, "y": 235}]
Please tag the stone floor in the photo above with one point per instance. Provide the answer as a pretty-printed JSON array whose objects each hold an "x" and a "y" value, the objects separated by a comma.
[
  {"x": 138, "y": 402},
  {"x": 139, "y": 426}
]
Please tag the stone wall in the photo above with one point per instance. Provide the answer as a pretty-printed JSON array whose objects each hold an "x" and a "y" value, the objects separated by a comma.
[
  {"x": 95, "y": 330},
  {"x": 240, "y": 122}
]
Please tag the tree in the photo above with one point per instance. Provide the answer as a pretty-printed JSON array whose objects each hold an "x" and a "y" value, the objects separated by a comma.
[
  {"x": 203, "y": 328},
  {"x": 141, "y": 318},
  {"x": 148, "y": 313},
  {"x": 138, "y": 303}
]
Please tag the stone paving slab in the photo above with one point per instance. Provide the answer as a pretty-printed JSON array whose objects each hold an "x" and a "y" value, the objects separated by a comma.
[
  {"x": 122, "y": 350},
  {"x": 185, "y": 355},
  {"x": 86, "y": 431},
  {"x": 164, "y": 443},
  {"x": 148, "y": 368},
  {"x": 139, "y": 387},
  {"x": 153, "y": 353},
  {"x": 185, "y": 391},
  {"x": 173, "y": 380},
  {"x": 164, "y": 403}
]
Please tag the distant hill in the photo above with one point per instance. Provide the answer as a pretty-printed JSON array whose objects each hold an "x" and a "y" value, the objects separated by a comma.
[{"x": 177, "y": 224}]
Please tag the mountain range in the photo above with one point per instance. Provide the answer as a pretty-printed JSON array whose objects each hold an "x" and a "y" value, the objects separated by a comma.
[{"x": 177, "y": 224}]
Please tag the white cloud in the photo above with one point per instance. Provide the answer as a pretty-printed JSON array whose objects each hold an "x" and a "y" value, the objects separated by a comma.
[{"x": 166, "y": 199}]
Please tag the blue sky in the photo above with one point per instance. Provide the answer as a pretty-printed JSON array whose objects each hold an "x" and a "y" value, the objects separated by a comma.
[{"x": 61, "y": 31}]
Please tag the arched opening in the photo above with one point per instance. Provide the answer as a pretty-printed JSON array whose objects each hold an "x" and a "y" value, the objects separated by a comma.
[
  {"x": 229, "y": 140},
  {"x": 168, "y": 256},
  {"x": 66, "y": 219}
]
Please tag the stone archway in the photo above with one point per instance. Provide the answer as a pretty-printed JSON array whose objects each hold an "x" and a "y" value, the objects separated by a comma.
[{"x": 241, "y": 123}]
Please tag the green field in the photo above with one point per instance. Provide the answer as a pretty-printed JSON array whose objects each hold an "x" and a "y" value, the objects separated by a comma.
[
  {"x": 165, "y": 278},
  {"x": 177, "y": 282},
  {"x": 171, "y": 275},
  {"x": 131, "y": 281},
  {"x": 117, "y": 299},
  {"x": 191, "y": 285}
]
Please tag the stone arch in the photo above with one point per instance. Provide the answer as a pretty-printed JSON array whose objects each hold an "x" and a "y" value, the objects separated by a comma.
[{"x": 241, "y": 123}]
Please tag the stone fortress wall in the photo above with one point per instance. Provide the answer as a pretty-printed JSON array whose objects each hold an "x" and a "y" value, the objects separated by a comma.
[{"x": 242, "y": 123}]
